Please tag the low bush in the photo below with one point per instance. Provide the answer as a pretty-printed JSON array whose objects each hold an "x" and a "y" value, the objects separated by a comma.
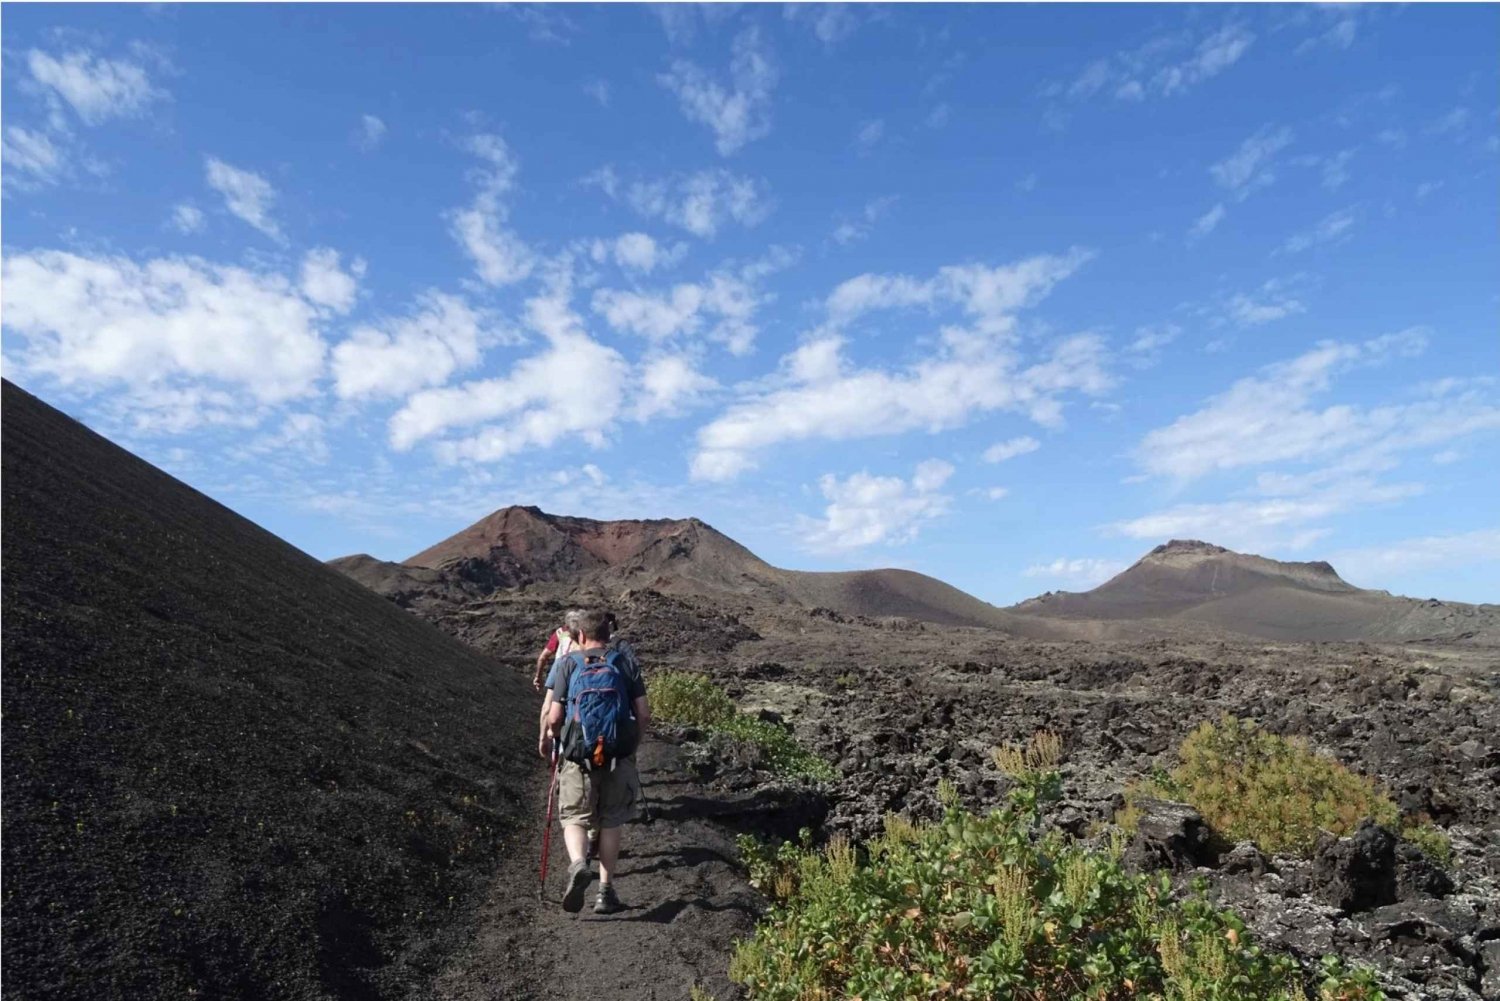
[
  {"x": 688, "y": 699},
  {"x": 780, "y": 748},
  {"x": 990, "y": 907},
  {"x": 1252, "y": 785},
  {"x": 694, "y": 700}
]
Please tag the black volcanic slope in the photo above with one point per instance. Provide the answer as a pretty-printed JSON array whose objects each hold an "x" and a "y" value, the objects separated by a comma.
[{"x": 229, "y": 771}]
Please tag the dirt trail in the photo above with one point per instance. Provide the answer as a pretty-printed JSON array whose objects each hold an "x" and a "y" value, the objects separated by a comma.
[{"x": 686, "y": 904}]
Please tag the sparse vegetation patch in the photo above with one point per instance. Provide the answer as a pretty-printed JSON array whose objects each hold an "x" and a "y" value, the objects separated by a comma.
[
  {"x": 693, "y": 700},
  {"x": 990, "y": 907},
  {"x": 1252, "y": 785}
]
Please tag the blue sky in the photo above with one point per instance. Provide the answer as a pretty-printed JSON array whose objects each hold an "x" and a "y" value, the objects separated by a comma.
[{"x": 1004, "y": 294}]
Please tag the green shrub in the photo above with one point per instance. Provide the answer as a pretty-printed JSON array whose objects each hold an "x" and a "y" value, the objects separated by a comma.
[
  {"x": 1251, "y": 785},
  {"x": 694, "y": 700},
  {"x": 987, "y": 907},
  {"x": 781, "y": 750},
  {"x": 1433, "y": 842},
  {"x": 688, "y": 699}
]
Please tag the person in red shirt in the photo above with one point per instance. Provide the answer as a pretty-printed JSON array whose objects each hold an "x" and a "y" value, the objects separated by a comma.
[{"x": 559, "y": 643}]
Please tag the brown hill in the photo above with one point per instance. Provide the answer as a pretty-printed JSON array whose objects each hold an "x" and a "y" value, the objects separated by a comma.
[
  {"x": 1190, "y": 582},
  {"x": 524, "y": 545},
  {"x": 229, "y": 771}
]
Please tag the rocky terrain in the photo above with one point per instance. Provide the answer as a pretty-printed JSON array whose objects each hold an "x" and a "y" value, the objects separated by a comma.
[
  {"x": 898, "y": 703},
  {"x": 233, "y": 772}
]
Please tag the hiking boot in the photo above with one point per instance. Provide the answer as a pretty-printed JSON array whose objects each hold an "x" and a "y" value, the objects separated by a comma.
[
  {"x": 608, "y": 902},
  {"x": 579, "y": 875}
]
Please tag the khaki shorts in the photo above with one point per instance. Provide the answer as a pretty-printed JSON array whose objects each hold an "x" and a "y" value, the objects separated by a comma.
[{"x": 597, "y": 799}]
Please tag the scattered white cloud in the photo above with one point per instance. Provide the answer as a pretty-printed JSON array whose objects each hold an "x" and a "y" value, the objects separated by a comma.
[
  {"x": 830, "y": 22},
  {"x": 1374, "y": 566},
  {"x": 1207, "y": 222},
  {"x": 398, "y": 356},
  {"x": 739, "y": 112},
  {"x": 1085, "y": 572},
  {"x": 1336, "y": 25},
  {"x": 184, "y": 341},
  {"x": 303, "y": 435},
  {"x": 1163, "y": 67},
  {"x": 32, "y": 160},
  {"x": 1447, "y": 456},
  {"x": 598, "y": 90},
  {"x": 996, "y": 493},
  {"x": 1274, "y": 300},
  {"x": 635, "y": 252},
  {"x": 247, "y": 195},
  {"x": 1335, "y": 168},
  {"x": 975, "y": 369},
  {"x": 864, "y": 510},
  {"x": 869, "y": 134},
  {"x": 1028, "y": 183},
  {"x": 940, "y": 115},
  {"x": 500, "y": 256},
  {"x": 1330, "y": 228},
  {"x": 97, "y": 89},
  {"x": 721, "y": 308},
  {"x": 1250, "y": 167},
  {"x": 371, "y": 132},
  {"x": 860, "y": 227},
  {"x": 326, "y": 283},
  {"x": 187, "y": 218},
  {"x": 669, "y": 385},
  {"x": 1004, "y": 450},
  {"x": 545, "y": 22},
  {"x": 1268, "y": 417},
  {"x": 535, "y": 405},
  {"x": 1452, "y": 121},
  {"x": 1427, "y": 188},
  {"x": 1149, "y": 340},
  {"x": 700, "y": 203}
]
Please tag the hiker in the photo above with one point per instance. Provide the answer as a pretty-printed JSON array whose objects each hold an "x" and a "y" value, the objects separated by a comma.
[
  {"x": 559, "y": 642},
  {"x": 598, "y": 694}
]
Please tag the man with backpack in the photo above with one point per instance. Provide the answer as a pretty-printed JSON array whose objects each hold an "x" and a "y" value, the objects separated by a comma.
[{"x": 598, "y": 713}]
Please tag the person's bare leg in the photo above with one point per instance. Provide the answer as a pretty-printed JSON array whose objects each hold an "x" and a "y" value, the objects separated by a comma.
[
  {"x": 609, "y": 853},
  {"x": 576, "y": 836}
]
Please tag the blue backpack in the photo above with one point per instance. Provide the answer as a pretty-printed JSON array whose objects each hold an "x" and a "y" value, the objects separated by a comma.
[{"x": 600, "y": 728}]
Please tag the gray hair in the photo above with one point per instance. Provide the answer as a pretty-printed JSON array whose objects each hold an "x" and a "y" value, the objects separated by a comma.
[{"x": 571, "y": 616}]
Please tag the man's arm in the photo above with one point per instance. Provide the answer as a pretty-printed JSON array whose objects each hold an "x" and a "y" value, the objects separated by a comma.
[
  {"x": 642, "y": 708},
  {"x": 544, "y": 737}
]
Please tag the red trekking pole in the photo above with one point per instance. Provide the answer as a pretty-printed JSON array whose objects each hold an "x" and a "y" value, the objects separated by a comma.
[{"x": 547, "y": 829}]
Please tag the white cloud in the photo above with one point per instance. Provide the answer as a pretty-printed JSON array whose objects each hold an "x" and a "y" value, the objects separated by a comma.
[
  {"x": 635, "y": 252},
  {"x": 1274, "y": 300},
  {"x": 975, "y": 369},
  {"x": 32, "y": 160},
  {"x": 830, "y": 22},
  {"x": 1151, "y": 339},
  {"x": 721, "y": 307},
  {"x": 1207, "y": 222},
  {"x": 1375, "y": 565},
  {"x": 864, "y": 510},
  {"x": 1250, "y": 166},
  {"x": 1087, "y": 572},
  {"x": 1453, "y": 121},
  {"x": 599, "y": 91},
  {"x": 187, "y": 218},
  {"x": 852, "y": 230},
  {"x": 535, "y": 405},
  {"x": 160, "y": 330},
  {"x": 247, "y": 195},
  {"x": 1330, "y": 228},
  {"x": 1162, "y": 67},
  {"x": 997, "y": 493},
  {"x": 395, "y": 357},
  {"x": 737, "y": 113},
  {"x": 1004, "y": 450},
  {"x": 500, "y": 256},
  {"x": 668, "y": 385},
  {"x": 1268, "y": 417},
  {"x": 327, "y": 284},
  {"x": 869, "y": 134},
  {"x": 371, "y": 132},
  {"x": 97, "y": 89},
  {"x": 302, "y": 434},
  {"x": 700, "y": 203}
]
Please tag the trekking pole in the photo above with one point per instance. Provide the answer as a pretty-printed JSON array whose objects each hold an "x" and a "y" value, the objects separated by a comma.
[{"x": 547, "y": 829}]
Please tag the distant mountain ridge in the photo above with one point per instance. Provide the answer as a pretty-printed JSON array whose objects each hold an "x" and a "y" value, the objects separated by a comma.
[
  {"x": 1197, "y": 582},
  {"x": 1181, "y": 587}
]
